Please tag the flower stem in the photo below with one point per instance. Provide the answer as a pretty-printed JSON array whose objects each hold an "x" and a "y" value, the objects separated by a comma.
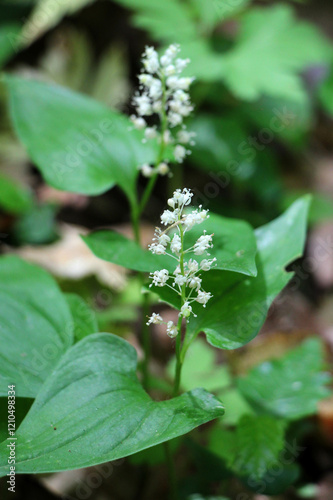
[{"x": 179, "y": 361}]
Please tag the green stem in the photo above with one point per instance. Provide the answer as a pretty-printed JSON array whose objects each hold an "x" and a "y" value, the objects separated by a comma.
[
  {"x": 179, "y": 358},
  {"x": 146, "y": 341},
  {"x": 171, "y": 471}
]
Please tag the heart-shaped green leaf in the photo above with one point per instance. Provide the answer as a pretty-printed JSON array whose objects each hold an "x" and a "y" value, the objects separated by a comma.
[
  {"x": 36, "y": 327},
  {"x": 92, "y": 409},
  {"x": 78, "y": 144}
]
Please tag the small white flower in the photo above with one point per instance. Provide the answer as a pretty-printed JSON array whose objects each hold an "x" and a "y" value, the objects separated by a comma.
[
  {"x": 185, "y": 137},
  {"x": 181, "y": 64},
  {"x": 195, "y": 282},
  {"x": 170, "y": 70},
  {"x": 155, "y": 319},
  {"x": 160, "y": 277},
  {"x": 203, "y": 297},
  {"x": 206, "y": 264},
  {"x": 157, "y": 248},
  {"x": 172, "y": 331},
  {"x": 163, "y": 168},
  {"x": 192, "y": 266},
  {"x": 186, "y": 310},
  {"x": 146, "y": 170},
  {"x": 150, "y": 61},
  {"x": 143, "y": 105},
  {"x": 169, "y": 217},
  {"x": 195, "y": 217},
  {"x": 164, "y": 239},
  {"x": 138, "y": 122},
  {"x": 174, "y": 119},
  {"x": 176, "y": 244},
  {"x": 150, "y": 133},
  {"x": 179, "y": 153},
  {"x": 146, "y": 79},
  {"x": 180, "y": 280},
  {"x": 203, "y": 243}
]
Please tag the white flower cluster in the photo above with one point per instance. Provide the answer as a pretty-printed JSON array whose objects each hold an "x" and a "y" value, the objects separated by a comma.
[
  {"x": 186, "y": 278},
  {"x": 164, "y": 91}
]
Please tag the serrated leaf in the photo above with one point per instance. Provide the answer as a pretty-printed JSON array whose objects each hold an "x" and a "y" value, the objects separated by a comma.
[
  {"x": 158, "y": 18},
  {"x": 78, "y": 144},
  {"x": 94, "y": 401},
  {"x": 302, "y": 388},
  {"x": 35, "y": 326},
  {"x": 14, "y": 198},
  {"x": 270, "y": 52},
  {"x": 84, "y": 318},
  {"x": 211, "y": 12}
]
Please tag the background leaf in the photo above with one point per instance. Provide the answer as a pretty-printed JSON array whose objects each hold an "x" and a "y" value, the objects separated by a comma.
[
  {"x": 302, "y": 388},
  {"x": 35, "y": 328},
  {"x": 270, "y": 52},
  {"x": 158, "y": 18},
  {"x": 253, "y": 447},
  {"x": 94, "y": 401},
  {"x": 14, "y": 198}
]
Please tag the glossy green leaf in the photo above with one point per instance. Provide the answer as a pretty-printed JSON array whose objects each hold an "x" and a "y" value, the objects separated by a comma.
[
  {"x": 84, "y": 318},
  {"x": 252, "y": 448},
  {"x": 14, "y": 198},
  {"x": 94, "y": 402},
  {"x": 240, "y": 304},
  {"x": 35, "y": 326},
  {"x": 116, "y": 248},
  {"x": 78, "y": 144},
  {"x": 302, "y": 388}
]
